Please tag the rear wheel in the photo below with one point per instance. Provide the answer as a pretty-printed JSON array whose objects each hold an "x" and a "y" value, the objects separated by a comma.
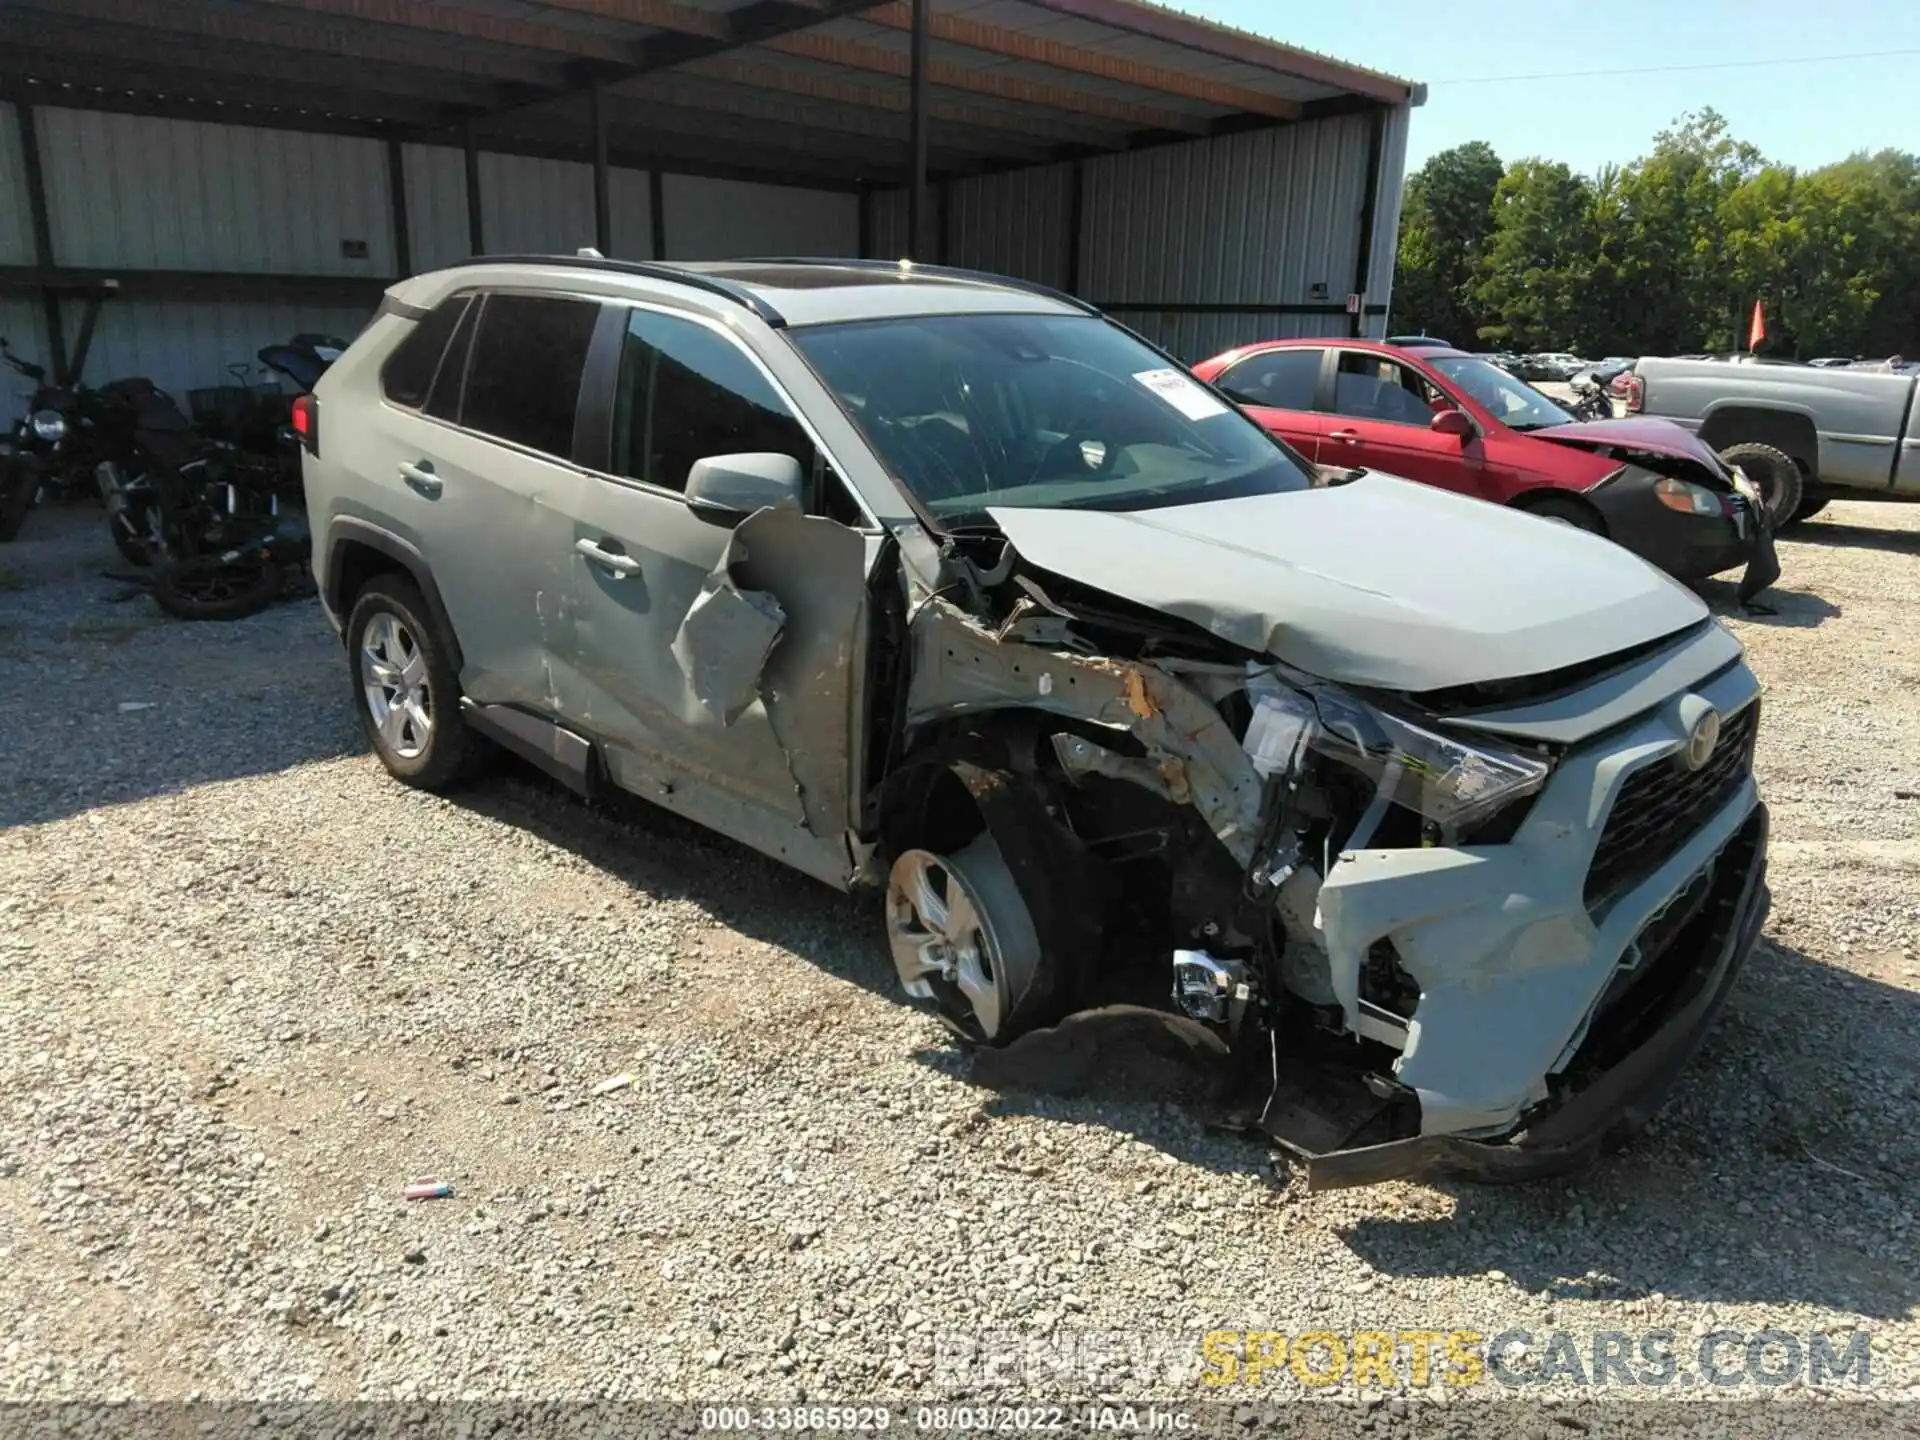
[
  {"x": 206, "y": 587},
  {"x": 405, "y": 688},
  {"x": 1781, "y": 484},
  {"x": 1565, "y": 510}
]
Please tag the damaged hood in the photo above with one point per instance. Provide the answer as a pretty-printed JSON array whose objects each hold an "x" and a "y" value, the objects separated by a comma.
[
  {"x": 1380, "y": 582},
  {"x": 1646, "y": 432}
]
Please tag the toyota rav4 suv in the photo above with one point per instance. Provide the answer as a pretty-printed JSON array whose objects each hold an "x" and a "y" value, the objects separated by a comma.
[{"x": 1436, "y": 821}]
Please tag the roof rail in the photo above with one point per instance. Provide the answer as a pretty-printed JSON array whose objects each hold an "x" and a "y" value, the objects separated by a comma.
[
  {"x": 651, "y": 270},
  {"x": 943, "y": 272}
]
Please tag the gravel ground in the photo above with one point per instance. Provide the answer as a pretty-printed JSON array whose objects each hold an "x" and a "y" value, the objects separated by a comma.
[{"x": 253, "y": 988}]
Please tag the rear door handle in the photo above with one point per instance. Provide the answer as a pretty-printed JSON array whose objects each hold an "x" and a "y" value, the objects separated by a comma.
[
  {"x": 618, "y": 564},
  {"x": 1345, "y": 437},
  {"x": 419, "y": 476}
]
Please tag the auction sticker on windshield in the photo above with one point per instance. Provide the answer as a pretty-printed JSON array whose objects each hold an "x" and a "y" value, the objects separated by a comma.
[{"x": 1181, "y": 393}]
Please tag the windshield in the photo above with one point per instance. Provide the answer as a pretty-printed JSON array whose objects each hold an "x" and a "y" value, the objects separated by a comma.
[
  {"x": 1514, "y": 403},
  {"x": 1039, "y": 412}
]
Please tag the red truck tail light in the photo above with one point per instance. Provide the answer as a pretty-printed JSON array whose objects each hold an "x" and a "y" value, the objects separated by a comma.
[
  {"x": 1632, "y": 389},
  {"x": 306, "y": 422}
]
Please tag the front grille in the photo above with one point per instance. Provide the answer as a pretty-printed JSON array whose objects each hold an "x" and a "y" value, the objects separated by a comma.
[{"x": 1661, "y": 805}]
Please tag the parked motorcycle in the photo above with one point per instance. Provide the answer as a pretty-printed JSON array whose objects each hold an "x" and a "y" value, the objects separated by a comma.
[
  {"x": 1592, "y": 400},
  {"x": 208, "y": 519}
]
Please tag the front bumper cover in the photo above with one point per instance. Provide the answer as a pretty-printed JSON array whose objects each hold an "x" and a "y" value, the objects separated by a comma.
[
  {"x": 1687, "y": 546},
  {"x": 1617, "y": 1100}
]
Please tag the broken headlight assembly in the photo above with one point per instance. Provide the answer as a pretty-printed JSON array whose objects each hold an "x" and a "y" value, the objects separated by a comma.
[
  {"x": 1452, "y": 785},
  {"x": 1688, "y": 499}
]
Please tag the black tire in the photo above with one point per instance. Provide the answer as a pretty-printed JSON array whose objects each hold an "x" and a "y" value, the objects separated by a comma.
[
  {"x": 1811, "y": 506},
  {"x": 204, "y": 587},
  {"x": 19, "y": 484},
  {"x": 1567, "y": 511},
  {"x": 445, "y": 751},
  {"x": 1781, "y": 484}
]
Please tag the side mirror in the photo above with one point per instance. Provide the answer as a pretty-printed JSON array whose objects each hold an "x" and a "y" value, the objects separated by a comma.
[
  {"x": 1451, "y": 422},
  {"x": 728, "y": 488}
]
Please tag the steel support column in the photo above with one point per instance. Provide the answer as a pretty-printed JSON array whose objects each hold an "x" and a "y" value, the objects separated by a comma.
[
  {"x": 918, "y": 218},
  {"x": 602, "y": 201},
  {"x": 476, "y": 233},
  {"x": 42, "y": 223},
  {"x": 397, "y": 207},
  {"x": 1369, "y": 208}
]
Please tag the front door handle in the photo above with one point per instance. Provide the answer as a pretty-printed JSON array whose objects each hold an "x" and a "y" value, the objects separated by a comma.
[
  {"x": 619, "y": 565},
  {"x": 1345, "y": 437},
  {"x": 419, "y": 476}
]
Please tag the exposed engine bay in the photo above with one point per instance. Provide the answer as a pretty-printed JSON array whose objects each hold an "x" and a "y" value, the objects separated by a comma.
[{"x": 1196, "y": 825}]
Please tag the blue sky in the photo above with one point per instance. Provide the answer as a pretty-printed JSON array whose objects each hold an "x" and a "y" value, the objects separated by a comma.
[{"x": 1803, "y": 114}]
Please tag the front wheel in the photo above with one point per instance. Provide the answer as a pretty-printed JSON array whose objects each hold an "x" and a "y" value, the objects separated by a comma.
[
  {"x": 207, "y": 587},
  {"x": 405, "y": 688}
]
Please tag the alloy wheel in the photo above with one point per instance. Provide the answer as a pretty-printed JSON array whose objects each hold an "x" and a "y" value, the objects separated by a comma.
[
  {"x": 393, "y": 675},
  {"x": 962, "y": 936}
]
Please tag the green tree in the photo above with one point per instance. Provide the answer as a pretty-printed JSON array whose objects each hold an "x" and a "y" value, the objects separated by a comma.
[
  {"x": 1540, "y": 257},
  {"x": 1446, "y": 216}
]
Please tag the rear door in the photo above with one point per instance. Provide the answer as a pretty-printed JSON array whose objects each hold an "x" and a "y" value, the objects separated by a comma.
[
  {"x": 1278, "y": 389},
  {"x": 486, "y": 461},
  {"x": 1381, "y": 414}
]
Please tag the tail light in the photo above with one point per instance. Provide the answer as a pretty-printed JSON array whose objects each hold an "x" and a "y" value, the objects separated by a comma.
[
  {"x": 1632, "y": 389},
  {"x": 306, "y": 422}
]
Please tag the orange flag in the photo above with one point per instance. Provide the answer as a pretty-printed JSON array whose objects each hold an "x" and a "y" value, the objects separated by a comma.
[{"x": 1757, "y": 331}]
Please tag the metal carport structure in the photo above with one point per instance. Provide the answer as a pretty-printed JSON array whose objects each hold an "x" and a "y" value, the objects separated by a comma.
[{"x": 221, "y": 168}]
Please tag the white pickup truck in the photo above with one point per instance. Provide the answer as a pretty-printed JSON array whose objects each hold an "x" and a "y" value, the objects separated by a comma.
[{"x": 1804, "y": 435}]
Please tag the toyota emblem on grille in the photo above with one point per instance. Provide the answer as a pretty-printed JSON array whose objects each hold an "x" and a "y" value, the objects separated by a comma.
[{"x": 1701, "y": 740}]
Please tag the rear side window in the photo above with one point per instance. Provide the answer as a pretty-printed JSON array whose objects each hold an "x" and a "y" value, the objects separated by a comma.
[
  {"x": 523, "y": 377},
  {"x": 408, "y": 374},
  {"x": 687, "y": 393},
  {"x": 1281, "y": 379}
]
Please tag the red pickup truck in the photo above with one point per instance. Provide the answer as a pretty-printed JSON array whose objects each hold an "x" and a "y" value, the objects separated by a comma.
[{"x": 1447, "y": 418}]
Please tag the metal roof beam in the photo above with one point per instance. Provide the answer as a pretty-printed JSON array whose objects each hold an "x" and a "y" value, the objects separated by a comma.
[
  {"x": 263, "y": 29},
  {"x": 876, "y": 61},
  {"x": 895, "y": 101},
  {"x": 1019, "y": 45},
  {"x": 1172, "y": 28},
  {"x": 752, "y": 24}
]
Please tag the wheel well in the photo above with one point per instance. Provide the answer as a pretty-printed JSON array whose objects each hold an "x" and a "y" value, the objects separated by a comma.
[
  {"x": 351, "y": 566},
  {"x": 1548, "y": 498},
  {"x": 360, "y": 554},
  {"x": 1782, "y": 429}
]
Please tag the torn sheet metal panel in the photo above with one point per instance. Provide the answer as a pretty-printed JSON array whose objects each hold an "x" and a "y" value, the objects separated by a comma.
[
  {"x": 724, "y": 642},
  {"x": 1301, "y": 576},
  {"x": 959, "y": 667},
  {"x": 813, "y": 685}
]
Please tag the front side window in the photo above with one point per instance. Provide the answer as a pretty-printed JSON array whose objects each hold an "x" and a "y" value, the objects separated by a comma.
[
  {"x": 1279, "y": 379},
  {"x": 523, "y": 377},
  {"x": 1511, "y": 401},
  {"x": 408, "y": 374},
  {"x": 1367, "y": 387},
  {"x": 688, "y": 393},
  {"x": 1039, "y": 411}
]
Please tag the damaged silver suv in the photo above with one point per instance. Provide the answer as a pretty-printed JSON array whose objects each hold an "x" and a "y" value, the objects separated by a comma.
[{"x": 1439, "y": 819}]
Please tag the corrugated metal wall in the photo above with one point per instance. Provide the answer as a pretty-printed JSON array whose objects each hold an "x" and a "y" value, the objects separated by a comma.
[
  {"x": 721, "y": 219},
  {"x": 1270, "y": 218},
  {"x": 1014, "y": 224},
  {"x": 186, "y": 195},
  {"x": 436, "y": 181}
]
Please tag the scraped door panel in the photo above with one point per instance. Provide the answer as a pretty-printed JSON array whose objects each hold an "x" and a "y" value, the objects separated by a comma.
[{"x": 718, "y": 667}]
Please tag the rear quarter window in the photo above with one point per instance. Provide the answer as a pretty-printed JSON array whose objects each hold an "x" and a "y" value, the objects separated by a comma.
[
  {"x": 523, "y": 376},
  {"x": 407, "y": 376}
]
